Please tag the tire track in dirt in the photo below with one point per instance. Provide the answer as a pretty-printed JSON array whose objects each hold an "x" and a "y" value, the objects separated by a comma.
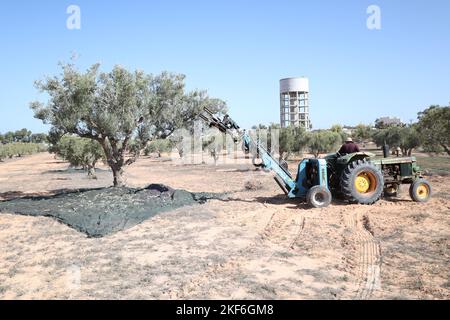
[
  {"x": 368, "y": 254},
  {"x": 275, "y": 230},
  {"x": 274, "y": 233}
]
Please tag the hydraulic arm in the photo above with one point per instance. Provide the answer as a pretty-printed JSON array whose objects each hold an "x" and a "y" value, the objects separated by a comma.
[{"x": 228, "y": 126}]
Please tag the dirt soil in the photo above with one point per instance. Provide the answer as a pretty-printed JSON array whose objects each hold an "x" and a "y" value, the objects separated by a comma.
[{"x": 255, "y": 244}]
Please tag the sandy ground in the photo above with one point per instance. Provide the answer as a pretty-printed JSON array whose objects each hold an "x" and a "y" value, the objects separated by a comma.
[{"x": 256, "y": 245}]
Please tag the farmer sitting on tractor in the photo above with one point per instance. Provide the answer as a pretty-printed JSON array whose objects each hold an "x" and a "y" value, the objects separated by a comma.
[{"x": 348, "y": 147}]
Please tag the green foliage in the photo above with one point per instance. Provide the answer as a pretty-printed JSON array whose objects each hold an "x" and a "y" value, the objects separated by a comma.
[
  {"x": 292, "y": 140},
  {"x": 410, "y": 139},
  {"x": 406, "y": 138},
  {"x": 337, "y": 128},
  {"x": 8, "y": 137},
  {"x": 158, "y": 146},
  {"x": 118, "y": 107},
  {"x": 39, "y": 138},
  {"x": 79, "y": 152},
  {"x": 390, "y": 136},
  {"x": 362, "y": 132},
  {"x": 53, "y": 138},
  {"x": 23, "y": 135},
  {"x": 20, "y": 149},
  {"x": 323, "y": 141},
  {"x": 434, "y": 128},
  {"x": 340, "y": 130}
]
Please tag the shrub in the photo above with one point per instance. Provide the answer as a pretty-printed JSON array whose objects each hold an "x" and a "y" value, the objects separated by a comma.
[
  {"x": 20, "y": 149},
  {"x": 158, "y": 146}
]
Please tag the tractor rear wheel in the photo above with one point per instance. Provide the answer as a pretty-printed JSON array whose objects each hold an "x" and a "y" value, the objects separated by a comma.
[
  {"x": 420, "y": 190},
  {"x": 362, "y": 182},
  {"x": 318, "y": 197}
]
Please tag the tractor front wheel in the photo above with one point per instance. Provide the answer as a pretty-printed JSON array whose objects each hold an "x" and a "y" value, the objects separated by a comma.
[
  {"x": 362, "y": 182},
  {"x": 318, "y": 197},
  {"x": 420, "y": 190}
]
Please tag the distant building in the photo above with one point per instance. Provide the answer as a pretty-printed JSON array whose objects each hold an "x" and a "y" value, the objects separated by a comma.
[
  {"x": 294, "y": 103},
  {"x": 388, "y": 121}
]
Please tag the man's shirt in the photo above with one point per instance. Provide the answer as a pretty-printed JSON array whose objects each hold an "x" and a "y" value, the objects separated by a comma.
[{"x": 349, "y": 147}]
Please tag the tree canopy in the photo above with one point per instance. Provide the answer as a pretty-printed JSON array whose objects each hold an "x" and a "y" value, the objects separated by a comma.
[
  {"x": 323, "y": 141},
  {"x": 434, "y": 128},
  {"x": 23, "y": 135},
  {"x": 362, "y": 132},
  {"x": 406, "y": 138},
  {"x": 114, "y": 107}
]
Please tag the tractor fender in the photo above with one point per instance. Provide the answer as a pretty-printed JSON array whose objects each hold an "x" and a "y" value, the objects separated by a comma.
[{"x": 349, "y": 158}]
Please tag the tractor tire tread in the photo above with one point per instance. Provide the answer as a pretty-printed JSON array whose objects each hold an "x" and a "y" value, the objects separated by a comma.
[{"x": 347, "y": 182}]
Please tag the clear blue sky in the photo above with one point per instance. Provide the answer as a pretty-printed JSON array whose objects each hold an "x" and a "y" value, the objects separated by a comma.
[{"x": 239, "y": 50}]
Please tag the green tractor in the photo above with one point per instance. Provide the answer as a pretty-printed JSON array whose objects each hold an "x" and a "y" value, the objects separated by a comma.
[{"x": 362, "y": 178}]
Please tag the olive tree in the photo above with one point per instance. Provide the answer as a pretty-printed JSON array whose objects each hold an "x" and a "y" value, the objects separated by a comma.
[
  {"x": 23, "y": 135},
  {"x": 80, "y": 152},
  {"x": 362, "y": 132},
  {"x": 340, "y": 130},
  {"x": 389, "y": 136},
  {"x": 38, "y": 138},
  {"x": 158, "y": 146},
  {"x": 323, "y": 141},
  {"x": 8, "y": 137},
  {"x": 288, "y": 140},
  {"x": 434, "y": 128},
  {"x": 291, "y": 140},
  {"x": 114, "y": 108},
  {"x": 406, "y": 138},
  {"x": 409, "y": 139}
]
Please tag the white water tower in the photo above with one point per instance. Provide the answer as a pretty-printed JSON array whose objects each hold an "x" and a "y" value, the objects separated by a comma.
[{"x": 294, "y": 103}]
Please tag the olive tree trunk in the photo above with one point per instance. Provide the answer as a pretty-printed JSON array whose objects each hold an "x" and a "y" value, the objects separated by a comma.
[
  {"x": 446, "y": 149},
  {"x": 91, "y": 171},
  {"x": 115, "y": 160},
  {"x": 118, "y": 176}
]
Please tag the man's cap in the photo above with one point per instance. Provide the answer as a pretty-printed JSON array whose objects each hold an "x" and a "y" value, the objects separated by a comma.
[{"x": 349, "y": 139}]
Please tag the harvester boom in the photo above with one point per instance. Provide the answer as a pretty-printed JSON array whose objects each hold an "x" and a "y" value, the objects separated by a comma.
[{"x": 228, "y": 126}]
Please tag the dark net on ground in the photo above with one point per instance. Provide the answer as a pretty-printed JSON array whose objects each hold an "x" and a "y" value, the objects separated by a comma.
[{"x": 99, "y": 212}]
